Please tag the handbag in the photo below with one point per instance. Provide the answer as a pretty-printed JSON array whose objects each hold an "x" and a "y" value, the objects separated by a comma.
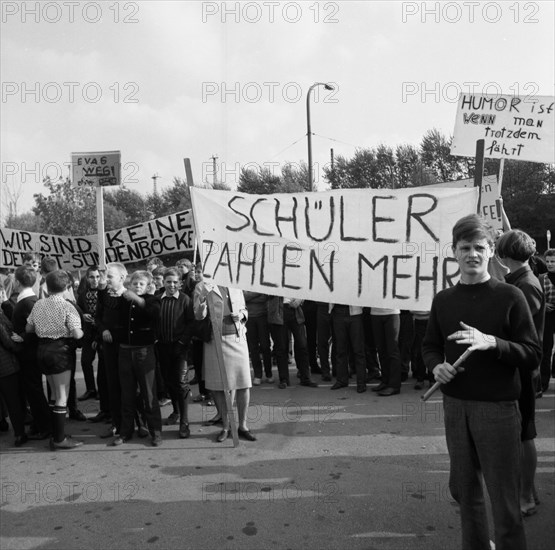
[{"x": 203, "y": 329}]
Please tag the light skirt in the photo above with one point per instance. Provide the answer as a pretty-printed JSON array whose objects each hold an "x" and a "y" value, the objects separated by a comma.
[{"x": 236, "y": 362}]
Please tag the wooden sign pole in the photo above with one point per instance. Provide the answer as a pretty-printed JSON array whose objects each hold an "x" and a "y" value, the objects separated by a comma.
[
  {"x": 479, "y": 171},
  {"x": 100, "y": 228}
]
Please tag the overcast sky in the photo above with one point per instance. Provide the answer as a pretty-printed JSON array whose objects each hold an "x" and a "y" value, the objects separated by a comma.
[{"x": 161, "y": 81}]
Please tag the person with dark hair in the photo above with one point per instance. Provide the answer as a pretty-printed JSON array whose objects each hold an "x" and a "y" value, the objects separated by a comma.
[
  {"x": 187, "y": 273},
  {"x": 154, "y": 263},
  {"x": 30, "y": 374},
  {"x": 87, "y": 300},
  {"x": 47, "y": 265},
  {"x": 174, "y": 337},
  {"x": 158, "y": 279},
  {"x": 57, "y": 325},
  {"x": 547, "y": 280},
  {"x": 482, "y": 421},
  {"x": 514, "y": 249}
]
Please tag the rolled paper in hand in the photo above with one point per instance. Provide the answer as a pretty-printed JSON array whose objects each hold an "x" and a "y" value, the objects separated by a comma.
[{"x": 436, "y": 386}]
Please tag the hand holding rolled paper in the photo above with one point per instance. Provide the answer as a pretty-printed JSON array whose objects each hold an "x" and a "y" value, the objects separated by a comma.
[{"x": 456, "y": 366}]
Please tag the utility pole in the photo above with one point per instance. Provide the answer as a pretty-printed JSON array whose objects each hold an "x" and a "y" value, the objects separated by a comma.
[
  {"x": 154, "y": 178},
  {"x": 214, "y": 158}
]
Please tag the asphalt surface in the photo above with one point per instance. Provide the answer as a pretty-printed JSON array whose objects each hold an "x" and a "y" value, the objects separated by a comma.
[{"x": 330, "y": 469}]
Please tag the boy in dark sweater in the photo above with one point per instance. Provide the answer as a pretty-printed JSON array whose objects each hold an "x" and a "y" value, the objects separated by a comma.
[{"x": 482, "y": 420}]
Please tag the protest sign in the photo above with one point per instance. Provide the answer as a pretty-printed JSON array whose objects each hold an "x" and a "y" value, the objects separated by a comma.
[
  {"x": 490, "y": 194},
  {"x": 166, "y": 235},
  {"x": 517, "y": 128},
  {"x": 96, "y": 169},
  {"x": 371, "y": 247}
]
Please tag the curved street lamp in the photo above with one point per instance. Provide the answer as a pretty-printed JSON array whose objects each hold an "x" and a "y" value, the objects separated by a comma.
[{"x": 309, "y": 131}]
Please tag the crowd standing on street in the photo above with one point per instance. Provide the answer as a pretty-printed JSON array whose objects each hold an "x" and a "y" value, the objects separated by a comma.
[{"x": 158, "y": 331}]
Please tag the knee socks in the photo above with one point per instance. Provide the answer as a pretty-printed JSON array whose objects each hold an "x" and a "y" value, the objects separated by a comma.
[{"x": 58, "y": 424}]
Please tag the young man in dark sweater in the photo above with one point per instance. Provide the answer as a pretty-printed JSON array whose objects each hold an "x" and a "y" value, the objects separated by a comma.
[{"x": 482, "y": 419}]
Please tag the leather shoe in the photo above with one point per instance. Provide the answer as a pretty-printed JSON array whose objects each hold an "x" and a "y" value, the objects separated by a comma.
[
  {"x": 222, "y": 436},
  {"x": 361, "y": 388},
  {"x": 157, "y": 439},
  {"x": 100, "y": 417},
  {"x": 39, "y": 436},
  {"x": 246, "y": 434},
  {"x": 119, "y": 441},
  {"x": 309, "y": 384},
  {"x": 172, "y": 419},
  {"x": 89, "y": 394},
  {"x": 110, "y": 432},
  {"x": 216, "y": 420},
  {"x": 389, "y": 391},
  {"x": 184, "y": 431},
  {"x": 20, "y": 440},
  {"x": 283, "y": 384},
  {"x": 76, "y": 414},
  {"x": 338, "y": 385},
  {"x": 142, "y": 432},
  {"x": 379, "y": 387},
  {"x": 67, "y": 443}
]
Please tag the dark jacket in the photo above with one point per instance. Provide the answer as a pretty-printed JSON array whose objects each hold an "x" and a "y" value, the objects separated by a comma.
[
  {"x": 141, "y": 321},
  {"x": 525, "y": 279},
  {"x": 8, "y": 348}
]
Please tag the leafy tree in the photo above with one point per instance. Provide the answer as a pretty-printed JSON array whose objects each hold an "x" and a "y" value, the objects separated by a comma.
[
  {"x": 66, "y": 210},
  {"x": 261, "y": 182},
  {"x": 177, "y": 197},
  {"x": 26, "y": 222},
  {"x": 294, "y": 178},
  {"x": 128, "y": 201}
]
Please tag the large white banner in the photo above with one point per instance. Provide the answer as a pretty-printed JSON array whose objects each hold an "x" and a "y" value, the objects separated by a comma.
[
  {"x": 166, "y": 235},
  {"x": 517, "y": 128},
  {"x": 368, "y": 247},
  {"x": 489, "y": 207}
]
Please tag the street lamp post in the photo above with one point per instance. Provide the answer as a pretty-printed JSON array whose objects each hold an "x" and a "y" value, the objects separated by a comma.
[{"x": 309, "y": 131}]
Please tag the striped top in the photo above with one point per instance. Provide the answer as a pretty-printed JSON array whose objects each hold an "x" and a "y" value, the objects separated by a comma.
[{"x": 167, "y": 317}]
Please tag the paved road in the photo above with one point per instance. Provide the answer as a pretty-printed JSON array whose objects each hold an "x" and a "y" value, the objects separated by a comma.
[{"x": 329, "y": 470}]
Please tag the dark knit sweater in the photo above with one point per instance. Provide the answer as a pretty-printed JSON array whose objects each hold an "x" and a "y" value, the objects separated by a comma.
[
  {"x": 112, "y": 315},
  {"x": 494, "y": 308}
]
